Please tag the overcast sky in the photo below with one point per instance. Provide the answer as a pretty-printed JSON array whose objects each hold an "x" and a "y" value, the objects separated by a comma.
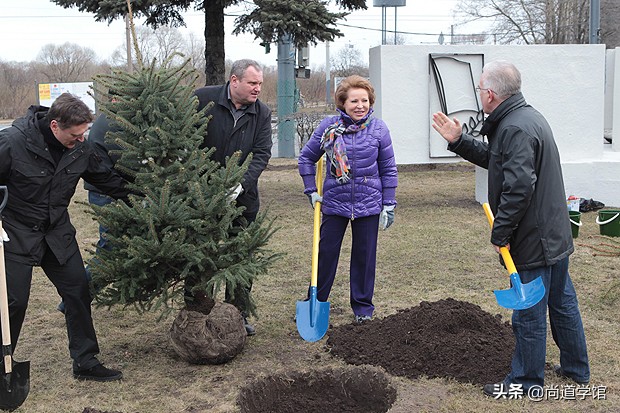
[{"x": 27, "y": 25}]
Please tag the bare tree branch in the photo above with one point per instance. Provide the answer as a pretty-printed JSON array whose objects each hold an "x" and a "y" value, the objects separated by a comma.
[{"x": 530, "y": 21}]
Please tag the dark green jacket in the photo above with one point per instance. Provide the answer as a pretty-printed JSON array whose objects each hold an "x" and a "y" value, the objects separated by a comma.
[{"x": 526, "y": 188}]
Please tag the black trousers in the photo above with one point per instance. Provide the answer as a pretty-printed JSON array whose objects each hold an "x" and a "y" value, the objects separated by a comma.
[{"x": 71, "y": 283}]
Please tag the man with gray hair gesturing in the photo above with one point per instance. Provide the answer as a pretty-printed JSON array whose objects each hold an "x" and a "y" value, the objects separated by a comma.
[
  {"x": 240, "y": 122},
  {"x": 527, "y": 197}
]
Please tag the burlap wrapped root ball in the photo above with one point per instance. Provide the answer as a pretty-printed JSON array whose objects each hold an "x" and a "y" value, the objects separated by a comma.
[{"x": 208, "y": 339}]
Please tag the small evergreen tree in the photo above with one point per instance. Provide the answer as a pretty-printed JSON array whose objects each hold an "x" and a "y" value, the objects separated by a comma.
[{"x": 178, "y": 225}]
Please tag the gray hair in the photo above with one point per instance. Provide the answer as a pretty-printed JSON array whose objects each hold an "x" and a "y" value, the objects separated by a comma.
[
  {"x": 240, "y": 66},
  {"x": 502, "y": 77}
]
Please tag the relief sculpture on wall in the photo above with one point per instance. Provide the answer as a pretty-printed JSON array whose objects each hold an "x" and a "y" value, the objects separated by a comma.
[{"x": 452, "y": 89}]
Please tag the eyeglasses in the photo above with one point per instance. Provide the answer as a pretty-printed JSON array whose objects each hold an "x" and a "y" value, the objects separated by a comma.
[{"x": 478, "y": 89}]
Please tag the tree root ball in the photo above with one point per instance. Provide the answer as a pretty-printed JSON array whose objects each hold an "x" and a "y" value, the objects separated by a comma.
[{"x": 208, "y": 339}]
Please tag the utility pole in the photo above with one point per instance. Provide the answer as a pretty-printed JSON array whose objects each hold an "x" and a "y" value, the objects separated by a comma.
[
  {"x": 128, "y": 41},
  {"x": 328, "y": 76},
  {"x": 286, "y": 97},
  {"x": 595, "y": 21},
  {"x": 383, "y": 24},
  {"x": 384, "y": 4},
  {"x": 395, "y": 20}
]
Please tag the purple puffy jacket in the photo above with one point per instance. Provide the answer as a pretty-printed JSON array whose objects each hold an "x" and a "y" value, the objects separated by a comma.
[{"x": 373, "y": 171}]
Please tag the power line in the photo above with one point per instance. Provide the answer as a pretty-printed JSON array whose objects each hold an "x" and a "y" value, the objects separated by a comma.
[
  {"x": 45, "y": 17},
  {"x": 411, "y": 33},
  {"x": 236, "y": 15}
]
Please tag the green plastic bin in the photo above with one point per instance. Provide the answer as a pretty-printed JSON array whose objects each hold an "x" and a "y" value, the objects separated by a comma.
[{"x": 609, "y": 222}]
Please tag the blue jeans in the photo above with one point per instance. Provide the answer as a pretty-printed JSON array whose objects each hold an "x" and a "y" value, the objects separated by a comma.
[
  {"x": 530, "y": 330},
  {"x": 95, "y": 198}
]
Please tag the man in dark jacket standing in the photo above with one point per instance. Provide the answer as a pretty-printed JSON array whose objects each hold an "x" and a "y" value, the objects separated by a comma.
[
  {"x": 96, "y": 137},
  {"x": 526, "y": 194},
  {"x": 240, "y": 122},
  {"x": 44, "y": 155}
]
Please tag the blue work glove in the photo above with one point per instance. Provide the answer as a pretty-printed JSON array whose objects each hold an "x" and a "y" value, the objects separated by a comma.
[
  {"x": 386, "y": 218},
  {"x": 314, "y": 197}
]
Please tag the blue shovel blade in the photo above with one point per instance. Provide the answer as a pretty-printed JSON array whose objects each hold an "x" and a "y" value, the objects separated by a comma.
[
  {"x": 312, "y": 317},
  {"x": 521, "y": 296}
]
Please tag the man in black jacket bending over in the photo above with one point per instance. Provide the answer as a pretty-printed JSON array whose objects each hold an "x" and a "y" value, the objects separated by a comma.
[
  {"x": 44, "y": 155},
  {"x": 240, "y": 122}
]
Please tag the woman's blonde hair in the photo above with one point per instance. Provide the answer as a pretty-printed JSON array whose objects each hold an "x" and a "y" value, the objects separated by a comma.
[{"x": 353, "y": 82}]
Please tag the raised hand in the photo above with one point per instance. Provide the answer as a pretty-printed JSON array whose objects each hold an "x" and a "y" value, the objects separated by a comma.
[{"x": 449, "y": 129}]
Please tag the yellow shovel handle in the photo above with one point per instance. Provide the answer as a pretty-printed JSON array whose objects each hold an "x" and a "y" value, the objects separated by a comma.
[
  {"x": 510, "y": 265},
  {"x": 317, "y": 225}
]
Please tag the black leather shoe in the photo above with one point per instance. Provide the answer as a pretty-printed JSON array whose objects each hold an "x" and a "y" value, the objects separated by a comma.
[
  {"x": 98, "y": 373},
  {"x": 249, "y": 328},
  {"x": 502, "y": 391},
  {"x": 560, "y": 372},
  {"x": 494, "y": 389}
]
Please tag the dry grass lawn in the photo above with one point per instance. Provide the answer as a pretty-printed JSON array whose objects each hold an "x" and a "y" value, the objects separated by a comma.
[{"x": 437, "y": 248}]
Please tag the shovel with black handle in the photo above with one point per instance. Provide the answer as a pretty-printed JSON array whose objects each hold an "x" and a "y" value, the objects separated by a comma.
[{"x": 15, "y": 382}]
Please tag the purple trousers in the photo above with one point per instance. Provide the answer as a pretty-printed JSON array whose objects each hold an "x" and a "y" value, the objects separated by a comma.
[{"x": 363, "y": 259}]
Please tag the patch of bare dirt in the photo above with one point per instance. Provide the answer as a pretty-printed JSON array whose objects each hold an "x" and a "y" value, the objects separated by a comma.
[
  {"x": 442, "y": 339},
  {"x": 446, "y": 338},
  {"x": 347, "y": 390}
]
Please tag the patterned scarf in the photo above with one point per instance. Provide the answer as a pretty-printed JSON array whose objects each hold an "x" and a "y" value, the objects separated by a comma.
[{"x": 335, "y": 148}]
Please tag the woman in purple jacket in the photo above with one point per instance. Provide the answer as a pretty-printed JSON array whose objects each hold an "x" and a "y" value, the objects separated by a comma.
[{"x": 359, "y": 187}]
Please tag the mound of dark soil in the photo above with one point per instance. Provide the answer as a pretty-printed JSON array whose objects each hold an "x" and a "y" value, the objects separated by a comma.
[
  {"x": 446, "y": 338},
  {"x": 346, "y": 390}
]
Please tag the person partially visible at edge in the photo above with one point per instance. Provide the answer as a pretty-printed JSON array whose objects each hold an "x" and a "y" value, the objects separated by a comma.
[
  {"x": 240, "y": 122},
  {"x": 527, "y": 197},
  {"x": 359, "y": 188},
  {"x": 44, "y": 155},
  {"x": 96, "y": 137}
]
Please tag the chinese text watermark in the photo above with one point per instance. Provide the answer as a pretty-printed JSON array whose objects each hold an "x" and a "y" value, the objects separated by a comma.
[{"x": 551, "y": 392}]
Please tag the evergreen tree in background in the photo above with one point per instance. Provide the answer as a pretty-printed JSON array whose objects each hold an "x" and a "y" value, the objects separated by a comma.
[
  {"x": 307, "y": 21},
  {"x": 179, "y": 224}
]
